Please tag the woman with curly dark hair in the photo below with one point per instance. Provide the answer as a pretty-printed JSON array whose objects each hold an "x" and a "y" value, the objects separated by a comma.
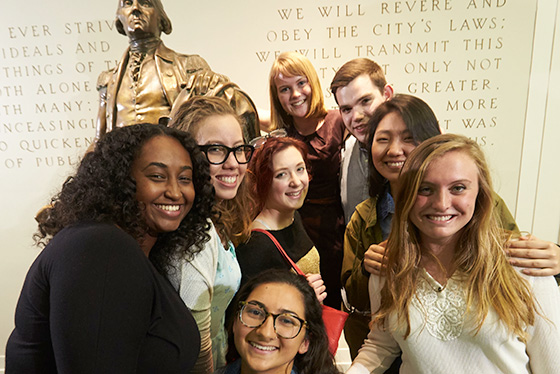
[
  {"x": 94, "y": 300},
  {"x": 293, "y": 341}
]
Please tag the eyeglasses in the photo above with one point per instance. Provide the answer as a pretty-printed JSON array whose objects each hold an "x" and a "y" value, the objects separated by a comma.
[
  {"x": 217, "y": 154},
  {"x": 259, "y": 141},
  {"x": 286, "y": 325}
]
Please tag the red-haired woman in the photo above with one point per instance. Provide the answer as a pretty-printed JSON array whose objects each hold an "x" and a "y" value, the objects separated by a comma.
[{"x": 281, "y": 181}]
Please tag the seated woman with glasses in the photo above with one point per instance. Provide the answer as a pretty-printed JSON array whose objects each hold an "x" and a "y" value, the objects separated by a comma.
[
  {"x": 277, "y": 327},
  {"x": 280, "y": 183},
  {"x": 209, "y": 281}
]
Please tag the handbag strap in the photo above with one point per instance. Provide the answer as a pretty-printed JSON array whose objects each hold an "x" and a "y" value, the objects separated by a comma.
[{"x": 281, "y": 250}]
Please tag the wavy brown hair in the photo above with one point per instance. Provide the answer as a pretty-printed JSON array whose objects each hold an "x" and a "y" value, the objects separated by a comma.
[{"x": 490, "y": 281}]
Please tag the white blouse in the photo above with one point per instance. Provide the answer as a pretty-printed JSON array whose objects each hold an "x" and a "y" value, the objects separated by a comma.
[{"x": 443, "y": 339}]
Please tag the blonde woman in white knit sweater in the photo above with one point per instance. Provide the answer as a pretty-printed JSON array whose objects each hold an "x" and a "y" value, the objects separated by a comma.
[{"x": 447, "y": 298}]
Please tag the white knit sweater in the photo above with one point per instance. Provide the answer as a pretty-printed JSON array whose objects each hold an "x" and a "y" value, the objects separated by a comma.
[{"x": 442, "y": 338}]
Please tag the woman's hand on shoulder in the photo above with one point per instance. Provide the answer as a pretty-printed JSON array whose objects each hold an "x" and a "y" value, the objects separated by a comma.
[
  {"x": 537, "y": 257},
  {"x": 316, "y": 282}
]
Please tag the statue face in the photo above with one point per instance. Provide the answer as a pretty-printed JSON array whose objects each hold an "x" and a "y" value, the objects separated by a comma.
[{"x": 140, "y": 19}]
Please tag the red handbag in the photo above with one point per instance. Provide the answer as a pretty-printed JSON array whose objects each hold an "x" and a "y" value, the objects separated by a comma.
[{"x": 333, "y": 319}]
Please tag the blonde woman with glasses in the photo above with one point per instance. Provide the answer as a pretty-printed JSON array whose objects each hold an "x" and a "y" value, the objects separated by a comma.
[{"x": 210, "y": 280}]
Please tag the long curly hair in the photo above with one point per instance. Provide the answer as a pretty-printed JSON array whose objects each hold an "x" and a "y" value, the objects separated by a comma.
[
  {"x": 317, "y": 359},
  {"x": 293, "y": 64},
  {"x": 490, "y": 281},
  {"x": 233, "y": 218},
  {"x": 103, "y": 190},
  {"x": 419, "y": 119},
  {"x": 260, "y": 168}
]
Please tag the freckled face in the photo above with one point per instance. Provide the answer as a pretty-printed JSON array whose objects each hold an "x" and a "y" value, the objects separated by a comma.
[
  {"x": 261, "y": 349},
  {"x": 446, "y": 198},
  {"x": 357, "y": 101},
  {"x": 163, "y": 173},
  {"x": 294, "y": 94},
  {"x": 290, "y": 181},
  {"x": 392, "y": 143},
  {"x": 224, "y": 130}
]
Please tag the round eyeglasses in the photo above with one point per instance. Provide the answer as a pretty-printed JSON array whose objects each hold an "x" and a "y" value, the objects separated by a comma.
[
  {"x": 217, "y": 154},
  {"x": 259, "y": 141},
  {"x": 286, "y": 325}
]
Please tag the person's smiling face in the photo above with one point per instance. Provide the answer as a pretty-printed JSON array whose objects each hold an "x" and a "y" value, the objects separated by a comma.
[
  {"x": 392, "y": 143},
  {"x": 290, "y": 181},
  {"x": 261, "y": 349},
  {"x": 223, "y": 130},
  {"x": 357, "y": 101},
  {"x": 294, "y": 94},
  {"x": 163, "y": 173},
  {"x": 446, "y": 198}
]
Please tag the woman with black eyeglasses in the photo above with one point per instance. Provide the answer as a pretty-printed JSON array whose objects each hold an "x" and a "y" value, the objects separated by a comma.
[
  {"x": 209, "y": 281},
  {"x": 277, "y": 327}
]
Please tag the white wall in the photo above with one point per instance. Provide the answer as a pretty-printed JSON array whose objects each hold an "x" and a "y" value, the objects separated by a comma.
[{"x": 515, "y": 53}]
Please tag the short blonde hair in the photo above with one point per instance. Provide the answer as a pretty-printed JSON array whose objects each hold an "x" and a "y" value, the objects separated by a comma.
[{"x": 294, "y": 64}]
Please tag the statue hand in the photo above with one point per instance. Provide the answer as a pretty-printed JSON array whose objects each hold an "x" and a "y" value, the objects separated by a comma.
[{"x": 203, "y": 81}]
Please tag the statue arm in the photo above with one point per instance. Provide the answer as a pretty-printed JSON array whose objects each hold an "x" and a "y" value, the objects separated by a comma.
[{"x": 101, "y": 122}]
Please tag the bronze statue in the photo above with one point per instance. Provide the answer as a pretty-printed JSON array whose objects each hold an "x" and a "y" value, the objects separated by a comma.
[{"x": 151, "y": 78}]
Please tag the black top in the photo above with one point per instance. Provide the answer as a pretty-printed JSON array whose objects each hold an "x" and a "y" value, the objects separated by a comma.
[
  {"x": 92, "y": 302},
  {"x": 260, "y": 253}
]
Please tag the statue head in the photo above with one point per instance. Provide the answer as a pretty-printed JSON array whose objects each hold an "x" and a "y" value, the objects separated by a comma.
[{"x": 141, "y": 18}]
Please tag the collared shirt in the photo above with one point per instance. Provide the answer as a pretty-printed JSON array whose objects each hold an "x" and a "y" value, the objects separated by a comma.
[
  {"x": 354, "y": 175},
  {"x": 385, "y": 211}
]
